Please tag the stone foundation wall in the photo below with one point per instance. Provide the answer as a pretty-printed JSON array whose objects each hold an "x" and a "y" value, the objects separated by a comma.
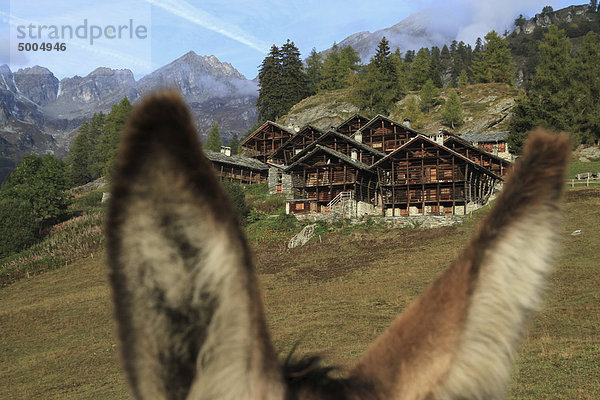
[{"x": 427, "y": 221}]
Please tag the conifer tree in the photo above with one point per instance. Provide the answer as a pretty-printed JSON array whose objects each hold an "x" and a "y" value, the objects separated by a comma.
[
  {"x": 293, "y": 78},
  {"x": 445, "y": 64},
  {"x": 378, "y": 87},
  {"x": 314, "y": 69},
  {"x": 214, "y": 142},
  {"x": 108, "y": 143},
  {"x": 269, "y": 102},
  {"x": 409, "y": 56},
  {"x": 429, "y": 95},
  {"x": 419, "y": 69},
  {"x": 412, "y": 111},
  {"x": 349, "y": 63},
  {"x": 452, "y": 114},
  {"x": 435, "y": 71},
  {"x": 586, "y": 89},
  {"x": 549, "y": 102},
  {"x": 400, "y": 66},
  {"x": 330, "y": 76},
  {"x": 463, "y": 79},
  {"x": 494, "y": 63},
  {"x": 234, "y": 143}
]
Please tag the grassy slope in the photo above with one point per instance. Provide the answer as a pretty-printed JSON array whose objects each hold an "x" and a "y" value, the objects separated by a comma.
[{"x": 57, "y": 341}]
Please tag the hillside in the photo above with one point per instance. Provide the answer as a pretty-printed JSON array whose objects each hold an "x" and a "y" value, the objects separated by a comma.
[
  {"x": 486, "y": 107},
  {"x": 332, "y": 297}
]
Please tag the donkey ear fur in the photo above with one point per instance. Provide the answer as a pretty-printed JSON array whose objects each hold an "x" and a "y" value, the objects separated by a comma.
[
  {"x": 189, "y": 313},
  {"x": 458, "y": 340}
]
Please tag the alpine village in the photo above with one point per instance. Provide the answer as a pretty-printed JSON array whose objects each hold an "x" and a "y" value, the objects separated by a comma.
[{"x": 353, "y": 174}]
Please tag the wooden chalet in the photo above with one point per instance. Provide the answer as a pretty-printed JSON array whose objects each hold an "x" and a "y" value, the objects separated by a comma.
[
  {"x": 322, "y": 173},
  {"x": 295, "y": 145},
  {"x": 345, "y": 145},
  {"x": 496, "y": 164},
  {"x": 352, "y": 124},
  {"x": 266, "y": 140},
  {"x": 424, "y": 177},
  {"x": 491, "y": 142},
  {"x": 384, "y": 134},
  {"x": 238, "y": 168}
]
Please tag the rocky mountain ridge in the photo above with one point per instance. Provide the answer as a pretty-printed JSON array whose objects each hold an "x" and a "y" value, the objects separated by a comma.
[{"x": 39, "y": 113}]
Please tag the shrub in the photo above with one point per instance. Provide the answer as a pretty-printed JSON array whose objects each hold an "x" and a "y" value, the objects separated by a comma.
[{"x": 17, "y": 226}]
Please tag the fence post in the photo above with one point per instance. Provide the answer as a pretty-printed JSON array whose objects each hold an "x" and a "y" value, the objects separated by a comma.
[
  {"x": 587, "y": 183},
  {"x": 572, "y": 183}
]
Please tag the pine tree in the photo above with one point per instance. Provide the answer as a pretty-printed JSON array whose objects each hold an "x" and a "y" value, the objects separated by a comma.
[
  {"x": 349, "y": 64},
  {"x": 463, "y": 79},
  {"x": 234, "y": 143},
  {"x": 339, "y": 67},
  {"x": 452, "y": 114},
  {"x": 314, "y": 69},
  {"x": 213, "y": 142},
  {"x": 79, "y": 156},
  {"x": 429, "y": 95},
  {"x": 400, "y": 67},
  {"x": 409, "y": 56},
  {"x": 445, "y": 63},
  {"x": 478, "y": 46},
  {"x": 108, "y": 142},
  {"x": 330, "y": 76},
  {"x": 378, "y": 87},
  {"x": 494, "y": 63},
  {"x": 85, "y": 160},
  {"x": 586, "y": 89},
  {"x": 412, "y": 111},
  {"x": 419, "y": 69},
  {"x": 553, "y": 77},
  {"x": 270, "y": 95},
  {"x": 551, "y": 98},
  {"x": 435, "y": 71},
  {"x": 293, "y": 78}
]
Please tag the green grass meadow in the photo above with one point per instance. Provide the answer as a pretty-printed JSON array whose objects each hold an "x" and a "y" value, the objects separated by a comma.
[{"x": 331, "y": 297}]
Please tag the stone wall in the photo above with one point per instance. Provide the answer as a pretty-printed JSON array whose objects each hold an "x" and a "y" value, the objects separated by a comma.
[
  {"x": 277, "y": 177},
  {"x": 427, "y": 221}
]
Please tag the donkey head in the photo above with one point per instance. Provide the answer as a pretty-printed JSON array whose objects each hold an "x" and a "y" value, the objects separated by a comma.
[{"x": 190, "y": 317}]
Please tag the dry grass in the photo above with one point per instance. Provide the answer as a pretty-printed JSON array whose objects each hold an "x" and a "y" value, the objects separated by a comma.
[{"x": 334, "y": 297}]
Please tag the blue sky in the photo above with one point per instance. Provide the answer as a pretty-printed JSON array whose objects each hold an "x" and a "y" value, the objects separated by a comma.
[{"x": 155, "y": 32}]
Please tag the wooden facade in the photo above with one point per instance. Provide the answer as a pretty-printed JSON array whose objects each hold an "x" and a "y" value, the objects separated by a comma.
[
  {"x": 352, "y": 124},
  {"x": 266, "y": 140},
  {"x": 323, "y": 173},
  {"x": 295, "y": 144},
  {"x": 384, "y": 134},
  {"x": 497, "y": 165},
  {"x": 423, "y": 177},
  {"x": 238, "y": 168}
]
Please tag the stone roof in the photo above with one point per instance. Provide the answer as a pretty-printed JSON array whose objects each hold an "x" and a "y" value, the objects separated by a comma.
[
  {"x": 240, "y": 161},
  {"x": 485, "y": 137}
]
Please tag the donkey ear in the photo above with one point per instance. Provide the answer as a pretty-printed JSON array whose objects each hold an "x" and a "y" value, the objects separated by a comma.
[
  {"x": 458, "y": 340},
  {"x": 189, "y": 314}
]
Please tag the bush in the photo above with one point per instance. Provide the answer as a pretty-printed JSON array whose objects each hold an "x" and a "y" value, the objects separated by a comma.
[
  {"x": 236, "y": 194},
  {"x": 88, "y": 200},
  {"x": 17, "y": 226}
]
